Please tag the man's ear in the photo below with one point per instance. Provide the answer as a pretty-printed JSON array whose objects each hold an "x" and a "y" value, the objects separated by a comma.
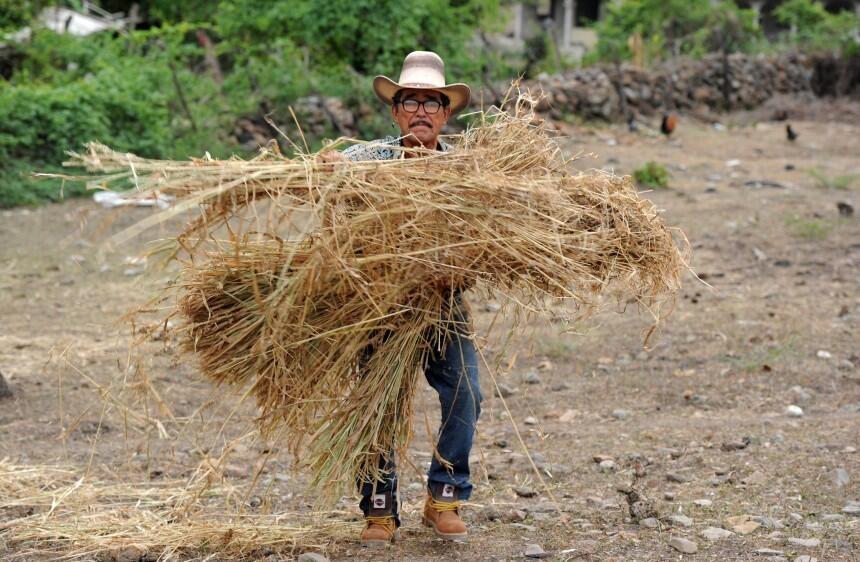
[{"x": 394, "y": 110}]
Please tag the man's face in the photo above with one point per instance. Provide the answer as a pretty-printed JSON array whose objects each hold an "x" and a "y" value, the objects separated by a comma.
[{"x": 420, "y": 127}]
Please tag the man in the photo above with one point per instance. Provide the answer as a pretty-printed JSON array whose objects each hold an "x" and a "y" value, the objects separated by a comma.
[{"x": 421, "y": 103}]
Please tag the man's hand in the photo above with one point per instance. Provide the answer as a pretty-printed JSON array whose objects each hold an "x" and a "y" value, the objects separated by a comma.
[{"x": 330, "y": 157}]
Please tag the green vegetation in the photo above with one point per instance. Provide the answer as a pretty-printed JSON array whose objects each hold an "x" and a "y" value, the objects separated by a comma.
[
  {"x": 766, "y": 356},
  {"x": 822, "y": 180},
  {"x": 180, "y": 87},
  {"x": 652, "y": 174},
  {"x": 813, "y": 28},
  {"x": 810, "y": 228}
]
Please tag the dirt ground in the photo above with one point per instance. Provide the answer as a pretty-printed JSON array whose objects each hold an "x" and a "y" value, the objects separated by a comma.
[{"x": 773, "y": 323}]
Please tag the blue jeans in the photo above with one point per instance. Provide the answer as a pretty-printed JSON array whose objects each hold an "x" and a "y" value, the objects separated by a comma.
[{"x": 453, "y": 374}]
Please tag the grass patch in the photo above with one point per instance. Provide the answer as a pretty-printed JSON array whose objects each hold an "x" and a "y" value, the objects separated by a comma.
[
  {"x": 652, "y": 174},
  {"x": 765, "y": 357},
  {"x": 824, "y": 181},
  {"x": 810, "y": 228},
  {"x": 19, "y": 187}
]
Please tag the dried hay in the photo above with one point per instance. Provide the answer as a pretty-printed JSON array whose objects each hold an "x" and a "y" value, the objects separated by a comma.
[
  {"x": 295, "y": 314},
  {"x": 50, "y": 512}
]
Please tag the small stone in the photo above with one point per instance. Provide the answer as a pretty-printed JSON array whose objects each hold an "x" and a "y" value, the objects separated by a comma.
[
  {"x": 736, "y": 445},
  {"x": 683, "y": 545},
  {"x": 535, "y": 551},
  {"x": 544, "y": 366},
  {"x": 505, "y": 391},
  {"x": 716, "y": 533},
  {"x": 808, "y": 543},
  {"x": 822, "y": 354},
  {"x": 669, "y": 496},
  {"x": 839, "y": 477},
  {"x": 649, "y": 523},
  {"x": 514, "y": 516},
  {"x": 849, "y": 449},
  {"x": 600, "y": 458},
  {"x": 832, "y": 517},
  {"x": 801, "y": 394},
  {"x": 796, "y": 517},
  {"x": 769, "y": 552},
  {"x": 130, "y": 553},
  {"x": 312, "y": 557},
  {"x": 742, "y": 524},
  {"x": 558, "y": 387},
  {"x": 805, "y": 558},
  {"x": 677, "y": 477},
  {"x": 606, "y": 466},
  {"x": 491, "y": 307},
  {"x": 851, "y": 509},
  {"x": 768, "y": 522},
  {"x": 530, "y": 421},
  {"x": 531, "y": 378},
  {"x": 703, "y": 503},
  {"x": 681, "y": 521},
  {"x": 793, "y": 411},
  {"x": 524, "y": 492},
  {"x": 621, "y": 414}
]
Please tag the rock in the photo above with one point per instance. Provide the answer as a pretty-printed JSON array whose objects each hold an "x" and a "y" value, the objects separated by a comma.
[
  {"x": 514, "y": 516},
  {"x": 558, "y": 387},
  {"x": 312, "y": 557},
  {"x": 530, "y": 421},
  {"x": 831, "y": 517},
  {"x": 669, "y": 496},
  {"x": 677, "y": 477},
  {"x": 805, "y": 558},
  {"x": 5, "y": 391},
  {"x": 822, "y": 354},
  {"x": 535, "y": 551},
  {"x": 839, "y": 477},
  {"x": 796, "y": 517},
  {"x": 505, "y": 391},
  {"x": 801, "y": 394},
  {"x": 736, "y": 445},
  {"x": 621, "y": 414},
  {"x": 606, "y": 466},
  {"x": 649, "y": 523},
  {"x": 681, "y": 521},
  {"x": 531, "y": 378},
  {"x": 525, "y": 492},
  {"x": 129, "y": 553},
  {"x": 544, "y": 366},
  {"x": 851, "y": 509},
  {"x": 600, "y": 458},
  {"x": 793, "y": 411},
  {"x": 808, "y": 543},
  {"x": 769, "y": 552},
  {"x": 742, "y": 524},
  {"x": 716, "y": 533},
  {"x": 683, "y": 545},
  {"x": 703, "y": 503},
  {"x": 768, "y": 522},
  {"x": 845, "y": 209}
]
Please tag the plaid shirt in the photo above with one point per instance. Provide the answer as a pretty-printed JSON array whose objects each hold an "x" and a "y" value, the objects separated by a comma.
[{"x": 382, "y": 149}]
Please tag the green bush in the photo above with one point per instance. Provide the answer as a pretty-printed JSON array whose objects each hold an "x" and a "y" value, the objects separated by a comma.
[
  {"x": 652, "y": 174},
  {"x": 815, "y": 29}
]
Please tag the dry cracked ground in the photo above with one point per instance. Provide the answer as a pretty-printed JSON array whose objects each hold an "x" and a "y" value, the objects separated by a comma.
[{"x": 740, "y": 422}]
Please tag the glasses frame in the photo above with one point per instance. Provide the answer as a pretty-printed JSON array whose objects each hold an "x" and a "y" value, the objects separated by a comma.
[{"x": 421, "y": 104}]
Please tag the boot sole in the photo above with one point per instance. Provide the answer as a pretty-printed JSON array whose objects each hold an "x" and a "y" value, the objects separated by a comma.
[{"x": 456, "y": 537}]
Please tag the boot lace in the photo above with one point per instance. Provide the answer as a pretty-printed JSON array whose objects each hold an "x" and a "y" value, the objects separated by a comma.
[
  {"x": 444, "y": 506},
  {"x": 384, "y": 520}
]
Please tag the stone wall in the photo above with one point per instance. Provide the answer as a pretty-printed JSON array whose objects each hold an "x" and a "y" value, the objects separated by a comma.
[{"x": 684, "y": 85}]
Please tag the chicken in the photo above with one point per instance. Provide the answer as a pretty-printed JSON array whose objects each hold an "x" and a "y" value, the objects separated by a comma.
[
  {"x": 669, "y": 124},
  {"x": 789, "y": 133}
]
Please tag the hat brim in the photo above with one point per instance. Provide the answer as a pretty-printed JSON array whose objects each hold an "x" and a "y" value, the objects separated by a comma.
[{"x": 458, "y": 93}]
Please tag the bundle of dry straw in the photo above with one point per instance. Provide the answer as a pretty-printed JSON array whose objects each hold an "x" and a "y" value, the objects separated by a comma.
[{"x": 331, "y": 322}]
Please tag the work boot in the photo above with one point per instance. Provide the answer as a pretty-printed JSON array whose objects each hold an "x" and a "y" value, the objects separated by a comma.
[
  {"x": 442, "y": 512},
  {"x": 380, "y": 524}
]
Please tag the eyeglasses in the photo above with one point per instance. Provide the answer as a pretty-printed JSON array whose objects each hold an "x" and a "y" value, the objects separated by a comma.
[{"x": 430, "y": 106}]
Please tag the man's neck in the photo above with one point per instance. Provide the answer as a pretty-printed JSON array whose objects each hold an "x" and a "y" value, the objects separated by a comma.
[{"x": 411, "y": 142}]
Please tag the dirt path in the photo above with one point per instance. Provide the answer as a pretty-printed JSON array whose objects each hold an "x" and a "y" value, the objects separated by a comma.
[{"x": 704, "y": 410}]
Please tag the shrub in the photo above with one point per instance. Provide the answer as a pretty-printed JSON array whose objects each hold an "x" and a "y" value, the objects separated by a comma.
[{"x": 652, "y": 174}]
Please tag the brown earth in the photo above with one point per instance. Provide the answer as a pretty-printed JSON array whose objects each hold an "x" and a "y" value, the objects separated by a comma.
[{"x": 774, "y": 323}]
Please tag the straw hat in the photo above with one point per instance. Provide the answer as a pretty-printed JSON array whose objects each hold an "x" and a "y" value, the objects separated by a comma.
[{"x": 422, "y": 70}]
